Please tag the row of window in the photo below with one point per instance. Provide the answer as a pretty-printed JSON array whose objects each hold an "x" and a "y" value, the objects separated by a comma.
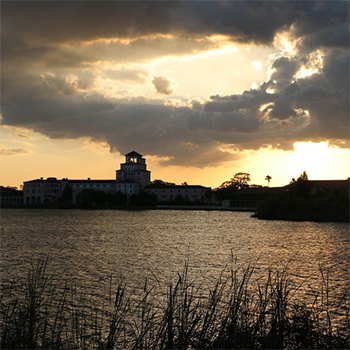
[
  {"x": 129, "y": 173},
  {"x": 171, "y": 196},
  {"x": 92, "y": 185},
  {"x": 174, "y": 191},
  {"x": 39, "y": 185},
  {"x": 45, "y": 191}
]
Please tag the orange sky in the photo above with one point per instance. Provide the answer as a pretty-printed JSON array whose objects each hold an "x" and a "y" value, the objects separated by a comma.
[{"x": 231, "y": 87}]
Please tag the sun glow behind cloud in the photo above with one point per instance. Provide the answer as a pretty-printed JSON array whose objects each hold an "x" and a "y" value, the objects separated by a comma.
[
  {"x": 321, "y": 161},
  {"x": 152, "y": 85}
]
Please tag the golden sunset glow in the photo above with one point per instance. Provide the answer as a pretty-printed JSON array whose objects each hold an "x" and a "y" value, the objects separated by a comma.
[{"x": 200, "y": 98}]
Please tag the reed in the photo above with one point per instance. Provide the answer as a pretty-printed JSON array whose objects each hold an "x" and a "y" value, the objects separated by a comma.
[{"x": 238, "y": 311}]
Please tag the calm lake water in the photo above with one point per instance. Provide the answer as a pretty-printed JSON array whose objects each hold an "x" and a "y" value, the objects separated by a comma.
[{"x": 92, "y": 247}]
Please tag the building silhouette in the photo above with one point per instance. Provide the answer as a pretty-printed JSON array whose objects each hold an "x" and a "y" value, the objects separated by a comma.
[
  {"x": 133, "y": 175},
  {"x": 131, "y": 178}
]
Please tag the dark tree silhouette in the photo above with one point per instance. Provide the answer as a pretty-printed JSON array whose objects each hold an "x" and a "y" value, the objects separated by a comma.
[
  {"x": 303, "y": 177},
  {"x": 303, "y": 185},
  {"x": 89, "y": 197},
  {"x": 67, "y": 195},
  {"x": 161, "y": 182},
  {"x": 143, "y": 199},
  {"x": 238, "y": 182},
  {"x": 268, "y": 179}
]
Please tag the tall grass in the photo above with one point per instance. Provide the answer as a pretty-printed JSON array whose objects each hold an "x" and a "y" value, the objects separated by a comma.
[{"x": 239, "y": 311}]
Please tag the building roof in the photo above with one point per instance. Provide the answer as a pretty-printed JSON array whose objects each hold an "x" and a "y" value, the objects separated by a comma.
[
  {"x": 90, "y": 181},
  {"x": 72, "y": 181},
  {"x": 13, "y": 194},
  {"x": 259, "y": 191},
  {"x": 156, "y": 186},
  {"x": 133, "y": 154},
  {"x": 127, "y": 182},
  {"x": 325, "y": 184},
  {"x": 49, "y": 179},
  {"x": 322, "y": 184}
]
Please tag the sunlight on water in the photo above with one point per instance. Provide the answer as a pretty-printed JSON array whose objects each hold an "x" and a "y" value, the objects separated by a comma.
[{"x": 95, "y": 247}]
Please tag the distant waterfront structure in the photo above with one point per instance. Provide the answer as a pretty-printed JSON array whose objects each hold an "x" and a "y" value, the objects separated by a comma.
[
  {"x": 251, "y": 197},
  {"x": 11, "y": 196},
  {"x": 180, "y": 193},
  {"x": 132, "y": 177}
]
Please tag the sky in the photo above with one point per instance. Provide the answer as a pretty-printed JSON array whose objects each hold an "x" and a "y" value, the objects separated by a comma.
[{"x": 202, "y": 89}]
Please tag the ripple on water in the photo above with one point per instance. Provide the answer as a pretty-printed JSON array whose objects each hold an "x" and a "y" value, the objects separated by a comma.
[{"x": 90, "y": 246}]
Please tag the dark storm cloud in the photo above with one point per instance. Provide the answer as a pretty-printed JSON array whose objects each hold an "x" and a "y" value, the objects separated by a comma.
[
  {"x": 245, "y": 21},
  {"x": 75, "y": 21},
  {"x": 50, "y": 49}
]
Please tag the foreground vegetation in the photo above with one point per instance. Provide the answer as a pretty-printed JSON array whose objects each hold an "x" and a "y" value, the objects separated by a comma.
[
  {"x": 238, "y": 312},
  {"x": 305, "y": 209}
]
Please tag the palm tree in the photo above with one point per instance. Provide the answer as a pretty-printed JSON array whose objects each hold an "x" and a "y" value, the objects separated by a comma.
[{"x": 268, "y": 179}]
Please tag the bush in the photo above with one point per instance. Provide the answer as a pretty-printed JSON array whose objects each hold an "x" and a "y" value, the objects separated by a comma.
[
  {"x": 235, "y": 313},
  {"x": 297, "y": 208}
]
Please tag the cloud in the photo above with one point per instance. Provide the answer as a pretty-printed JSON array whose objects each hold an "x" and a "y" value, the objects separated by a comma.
[
  {"x": 138, "y": 75},
  {"x": 58, "y": 56},
  {"x": 163, "y": 85},
  {"x": 23, "y": 136},
  {"x": 13, "y": 151},
  {"x": 318, "y": 23}
]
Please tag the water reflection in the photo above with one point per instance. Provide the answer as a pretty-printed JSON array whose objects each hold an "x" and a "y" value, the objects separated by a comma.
[{"x": 92, "y": 246}]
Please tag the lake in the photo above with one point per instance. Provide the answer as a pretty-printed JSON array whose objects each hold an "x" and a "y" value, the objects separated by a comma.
[{"x": 93, "y": 247}]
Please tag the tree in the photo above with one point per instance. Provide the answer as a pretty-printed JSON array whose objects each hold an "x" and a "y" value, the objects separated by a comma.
[
  {"x": 161, "y": 182},
  {"x": 208, "y": 195},
  {"x": 143, "y": 199},
  {"x": 303, "y": 185},
  {"x": 88, "y": 197},
  {"x": 303, "y": 177},
  {"x": 179, "y": 200},
  {"x": 237, "y": 182},
  {"x": 11, "y": 190},
  {"x": 268, "y": 179},
  {"x": 240, "y": 180},
  {"x": 67, "y": 195}
]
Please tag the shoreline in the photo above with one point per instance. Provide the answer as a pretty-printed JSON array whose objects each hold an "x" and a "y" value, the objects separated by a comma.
[{"x": 136, "y": 208}]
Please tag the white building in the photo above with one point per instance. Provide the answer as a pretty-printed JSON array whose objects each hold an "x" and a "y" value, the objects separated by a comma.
[
  {"x": 130, "y": 179},
  {"x": 42, "y": 191},
  {"x": 133, "y": 175},
  {"x": 188, "y": 193}
]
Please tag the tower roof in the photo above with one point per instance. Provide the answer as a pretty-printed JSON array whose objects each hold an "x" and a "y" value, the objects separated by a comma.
[{"x": 133, "y": 154}]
